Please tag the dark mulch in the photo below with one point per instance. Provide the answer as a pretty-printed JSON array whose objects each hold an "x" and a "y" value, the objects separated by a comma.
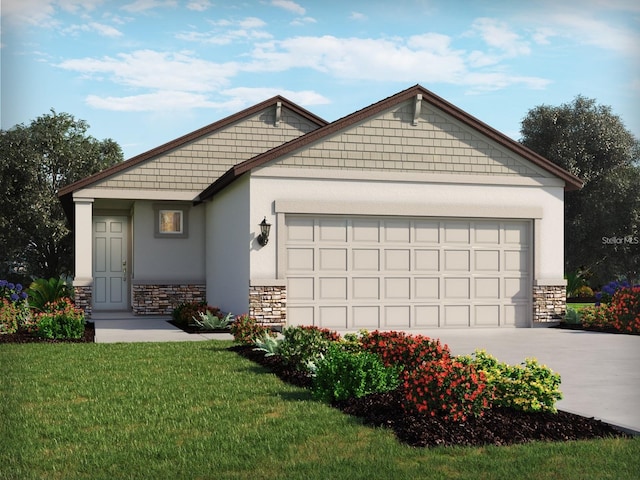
[
  {"x": 195, "y": 329},
  {"x": 579, "y": 326},
  {"x": 497, "y": 426},
  {"x": 21, "y": 337}
]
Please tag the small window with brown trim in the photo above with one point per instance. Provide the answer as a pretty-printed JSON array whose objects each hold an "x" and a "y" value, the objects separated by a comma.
[{"x": 170, "y": 221}]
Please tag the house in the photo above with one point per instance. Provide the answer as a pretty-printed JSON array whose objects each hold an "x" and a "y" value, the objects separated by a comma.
[{"x": 409, "y": 213}]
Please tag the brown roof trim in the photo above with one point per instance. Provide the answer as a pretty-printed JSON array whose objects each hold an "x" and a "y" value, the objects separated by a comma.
[
  {"x": 571, "y": 181},
  {"x": 85, "y": 182}
]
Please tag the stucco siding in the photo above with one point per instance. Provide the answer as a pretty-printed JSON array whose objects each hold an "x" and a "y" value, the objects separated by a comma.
[
  {"x": 172, "y": 260},
  {"x": 196, "y": 165},
  {"x": 390, "y": 142},
  {"x": 230, "y": 235}
]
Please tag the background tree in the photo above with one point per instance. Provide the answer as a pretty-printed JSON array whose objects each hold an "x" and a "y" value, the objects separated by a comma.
[
  {"x": 591, "y": 142},
  {"x": 35, "y": 162}
]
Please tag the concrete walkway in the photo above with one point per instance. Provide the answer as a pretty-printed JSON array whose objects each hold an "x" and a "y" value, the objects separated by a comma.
[{"x": 600, "y": 372}]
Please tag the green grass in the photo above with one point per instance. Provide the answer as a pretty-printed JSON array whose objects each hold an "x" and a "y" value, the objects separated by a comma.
[
  {"x": 197, "y": 411},
  {"x": 579, "y": 306}
]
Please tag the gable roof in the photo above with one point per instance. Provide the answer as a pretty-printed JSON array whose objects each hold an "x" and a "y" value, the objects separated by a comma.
[
  {"x": 190, "y": 137},
  {"x": 571, "y": 181}
]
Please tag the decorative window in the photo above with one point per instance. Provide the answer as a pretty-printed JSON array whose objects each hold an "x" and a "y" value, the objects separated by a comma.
[{"x": 170, "y": 221}]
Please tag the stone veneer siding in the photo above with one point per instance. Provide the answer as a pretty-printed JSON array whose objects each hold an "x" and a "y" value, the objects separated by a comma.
[
  {"x": 162, "y": 299},
  {"x": 268, "y": 304},
  {"x": 82, "y": 299},
  {"x": 549, "y": 303}
]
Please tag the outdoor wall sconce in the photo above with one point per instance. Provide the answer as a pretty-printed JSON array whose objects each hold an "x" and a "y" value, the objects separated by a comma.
[{"x": 263, "y": 238}]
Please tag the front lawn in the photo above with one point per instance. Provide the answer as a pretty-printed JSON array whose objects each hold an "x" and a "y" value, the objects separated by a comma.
[{"x": 197, "y": 410}]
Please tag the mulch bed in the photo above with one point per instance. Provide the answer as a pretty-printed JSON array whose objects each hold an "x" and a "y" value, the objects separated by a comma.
[
  {"x": 21, "y": 337},
  {"x": 578, "y": 326},
  {"x": 497, "y": 426},
  {"x": 196, "y": 329}
]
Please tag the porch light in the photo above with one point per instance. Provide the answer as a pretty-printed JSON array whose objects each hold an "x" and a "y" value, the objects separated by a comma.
[{"x": 263, "y": 238}]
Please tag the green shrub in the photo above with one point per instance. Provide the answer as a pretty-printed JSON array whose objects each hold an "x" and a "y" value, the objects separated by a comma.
[
  {"x": 446, "y": 387},
  {"x": 60, "y": 320},
  {"x": 303, "y": 346},
  {"x": 529, "y": 387},
  {"x": 596, "y": 316},
  {"x": 399, "y": 348},
  {"x": 209, "y": 321},
  {"x": 247, "y": 330},
  {"x": 583, "y": 292},
  {"x": 572, "y": 317},
  {"x": 185, "y": 313},
  {"x": 268, "y": 344},
  {"x": 43, "y": 291},
  {"x": 622, "y": 314},
  {"x": 343, "y": 374}
]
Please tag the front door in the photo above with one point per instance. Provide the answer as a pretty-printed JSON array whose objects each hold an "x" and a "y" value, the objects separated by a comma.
[{"x": 110, "y": 269}]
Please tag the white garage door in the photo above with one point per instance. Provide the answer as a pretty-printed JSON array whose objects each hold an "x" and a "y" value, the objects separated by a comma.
[{"x": 404, "y": 273}]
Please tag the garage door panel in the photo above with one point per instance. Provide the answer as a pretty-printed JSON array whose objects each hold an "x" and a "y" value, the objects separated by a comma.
[
  {"x": 397, "y": 316},
  {"x": 333, "y": 259},
  {"x": 367, "y": 231},
  {"x": 365, "y": 260},
  {"x": 300, "y": 288},
  {"x": 332, "y": 288},
  {"x": 427, "y": 316},
  {"x": 397, "y": 231},
  {"x": 427, "y": 232},
  {"x": 486, "y": 315},
  {"x": 300, "y": 259},
  {"x": 427, "y": 260},
  {"x": 487, "y": 287},
  {"x": 457, "y": 232},
  {"x": 457, "y": 288},
  {"x": 366, "y": 316},
  {"x": 397, "y": 288},
  {"x": 427, "y": 288},
  {"x": 333, "y": 230},
  {"x": 300, "y": 315},
  {"x": 397, "y": 260},
  {"x": 486, "y": 260},
  {"x": 456, "y": 261},
  {"x": 404, "y": 273},
  {"x": 300, "y": 229},
  {"x": 457, "y": 315},
  {"x": 333, "y": 317}
]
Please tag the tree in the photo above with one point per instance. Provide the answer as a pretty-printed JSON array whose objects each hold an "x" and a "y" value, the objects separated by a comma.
[
  {"x": 601, "y": 220},
  {"x": 35, "y": 162}
]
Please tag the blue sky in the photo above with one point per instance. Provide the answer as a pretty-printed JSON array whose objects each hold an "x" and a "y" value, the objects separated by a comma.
[{"x": 144, "y": 72}]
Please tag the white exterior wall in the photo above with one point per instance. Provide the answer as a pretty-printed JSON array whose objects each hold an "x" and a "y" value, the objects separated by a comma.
[
  {"x": 170, "y": 260},
  {"x": 230, "y": 236},
  {"x": 480, "y": 200}
]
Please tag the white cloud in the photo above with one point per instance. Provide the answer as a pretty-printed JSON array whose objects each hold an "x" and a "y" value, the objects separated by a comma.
[
  {"x": 289, "y": 6},
  {"x": 298, "y": 22},
  {"x": 254, "y": 95},
  {"x": 357, "y": 16},
  {"x": 156, "y": 70},
  {"x": 248, "y": 29},
  {"x": 42, "y": 12},
  {"x": 144, "y": 5},
  {"x": 99, "y": 28},
  {"x": 498, "y": 35},
  {"x": 199, "y": 5}
]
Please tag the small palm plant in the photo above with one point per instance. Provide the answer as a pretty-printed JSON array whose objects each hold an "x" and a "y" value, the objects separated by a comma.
[{"x": 43, "y": 291}]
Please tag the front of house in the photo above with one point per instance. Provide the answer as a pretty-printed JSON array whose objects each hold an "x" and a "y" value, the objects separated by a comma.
[{"x": 406, "y": 214}]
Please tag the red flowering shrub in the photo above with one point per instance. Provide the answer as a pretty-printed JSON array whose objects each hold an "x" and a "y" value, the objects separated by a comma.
[
  {"x": 621, "y": 314},
  {"x": 408, "y": 351},
  {"x": 247, "y": 330},
  {"x": 625, "y": 310},
  {"x": 446, "y": 387}
]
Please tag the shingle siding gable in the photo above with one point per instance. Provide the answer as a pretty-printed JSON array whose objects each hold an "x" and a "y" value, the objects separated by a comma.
[
  {"x": 195, "y": 165},
  {"x": 389, "y": 142}
]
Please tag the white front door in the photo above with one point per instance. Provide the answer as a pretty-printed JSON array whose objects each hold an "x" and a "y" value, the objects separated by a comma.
[{"x": 110, "y": 269}]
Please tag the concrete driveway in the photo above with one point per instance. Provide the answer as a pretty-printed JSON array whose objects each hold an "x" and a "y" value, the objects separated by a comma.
[{"x": 600, "y": 372}]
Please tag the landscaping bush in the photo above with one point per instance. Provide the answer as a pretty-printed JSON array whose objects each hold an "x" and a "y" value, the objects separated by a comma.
[
  {"x": 343, "y": 374},
  {"x": 605, "y": 295},
  {"x": 185, "y": 313},
  {"x": 572, "y": 317},
  {"x": 247, "y": 330},
  {"x": 408, "y": 351},
  {"x": 60, "y": 320},
  {"x": 446, "y": 387},
  {"x": 43, "y": 291},
  {"x": 625, "y": 310},
  {"x": 303, "y": 346},
  {"x": 209, "y": 321},
  {"x": 14, "y": 310},
  {"x": 529, "y": 387},
  {"x": 583, "y": 292}
]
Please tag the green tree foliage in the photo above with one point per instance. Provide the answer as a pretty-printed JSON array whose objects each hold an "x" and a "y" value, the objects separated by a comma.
[
  {"x": 36, "y": 160},
  {"x": 601, "y": 220}
]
